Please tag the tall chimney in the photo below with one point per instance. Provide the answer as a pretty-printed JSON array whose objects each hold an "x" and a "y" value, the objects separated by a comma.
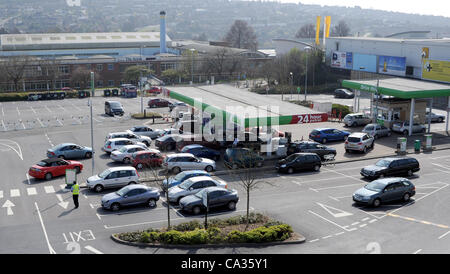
[{"x": 162, "y": 32}]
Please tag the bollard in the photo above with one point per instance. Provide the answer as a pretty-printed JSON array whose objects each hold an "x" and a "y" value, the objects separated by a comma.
[
  {"x": 428, "y": 142},
  {"x": 417, "y": 146}
]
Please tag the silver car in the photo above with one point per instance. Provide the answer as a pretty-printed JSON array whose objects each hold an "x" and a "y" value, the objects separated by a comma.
[
  {"x": 130, "y": 196},
  {"x": 130, "y": 135},
  {"x": 359, "y": 141},
  {"x": 403, "y": 127},
  {"x": 192, "y": 186},
  {"x": 186, "y": 161},
  {"x": 118, "y": 143},
  {"x": 114, "y": 177},
  {"x": 146, "y": 131},
  {"x": 356, "y": 119},
  {"x": 435, "y": 117},
  {"x": 124, "y": 154},
  {"x": 377, "y": 130}
]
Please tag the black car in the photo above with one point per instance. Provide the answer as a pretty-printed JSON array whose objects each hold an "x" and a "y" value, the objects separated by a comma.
[
  {"x": 242, "y": 158},
  {"x": 114, "y": 108},
  {"x": 312, "y": 147},
  {"x": 218, "y": 197},
  {"x": 391, "y": 167},
  {"x": 167, "y": 142},
  {"x": 343, "y": 93},
  {"x": 298, "y": 162}
]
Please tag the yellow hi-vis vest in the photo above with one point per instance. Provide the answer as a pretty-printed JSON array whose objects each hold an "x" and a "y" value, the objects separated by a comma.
[{"x": 75, "y": 189}]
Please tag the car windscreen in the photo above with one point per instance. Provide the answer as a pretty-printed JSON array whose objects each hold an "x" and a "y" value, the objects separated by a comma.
[
  {"x": 122, "y": 191},
  {"x": 185, "y": 184},
  {"x": 123, "y": 149},
  {"x": 115, "y": 105},
  {"x": 291, "y": 158},
  {"x": 383, "y": 163},
  {"x": 42, "y": 164},
  {"x": 368, "y": 128},
  {"x": 179, "y": 176},
  {"x": 200, "y": 193},
  {"x": 353, "y": 139},
  {"x": 375, "y": 186},
  {"x": 104, "y": 174}
]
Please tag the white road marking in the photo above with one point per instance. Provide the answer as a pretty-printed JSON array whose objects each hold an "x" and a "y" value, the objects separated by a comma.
[
  {"x": 363, "y": 225},
  {"x": 52, "y": 251},
  {"x": 328, "y": 220},
  {"x": 441, "y": 166},
  {"x": 443, "y": 235},
  {"x": 49, "y": 189},
  {"x": 18, "y": 110},
  {"x": 331, "y": 187},
  {"x": 15, "y": 193},
  {"x": 312, "y": 241},
  {"x": 417, "y": 251},
  {"x": 33, "y": 110},
  {"x": 373, "y": 220},
  {"x": 28, "y": 178},
  {"x": 90, "y": 248},
  {"x": 1, "y": 194},
  {"x": 42, "y": 125},
  {"x": 18, "y": 150},
  {"x": 31, "y": 191},
  {"x": 48, "y": 109},
  {"x": 4, "y": 127},
  {"x": 326, "y": 237},
  {"x": 345, "y": 175},
  {"x": 339, "y": 233},
  {"x": 337, "y": 213},
  {"x": 8, "y": 204},
  {"x": 355, "y": 223}
]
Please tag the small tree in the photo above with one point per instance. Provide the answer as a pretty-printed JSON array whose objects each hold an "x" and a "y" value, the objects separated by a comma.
[
  {"x": 134, "y": 73},
  {"x": 241, "y": 35},
  {"x": 14, "y": 68},
  {"x": 341, "y": 29},
  {"x": 81, "y": 76}
]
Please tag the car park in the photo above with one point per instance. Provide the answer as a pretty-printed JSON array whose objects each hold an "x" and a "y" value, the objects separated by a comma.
[
  {"x": 117, "y": 143},
  {"x": 192, "y": 186},
  {"x": 242, "y": 158},
  {"x": 182, "y": 176},
  {"x": 147, "y": 158},
  {"x": 114, "y": 108},
  {"x": 343, "y": 93},
  {"x": 69, "y": 151},
  {"x": 359, "y": 141},
  {"x": 199, "y": 140},
  {"x": 403, "y": 127},
  {"x": 377, "y": 130},
  {"x": 384, "y": 190},
  {"x": 124, "y": 154},
  {"x": 201, "y": 151},
  {"x": 356, "y": 119},
  {"x": 114, "y": 177},
  {"x": 186, "y": 161},
  {"x": 131, "y": 196},
  {"x": 435, "y": 117},
  {"x": 312, "y": 147},
  {"x": 157, "y": 103},
  {"x": 324, "y": 135},
  {"x": 147, "y": 131},
  {"x": 299, "y": 162},
  {"x": 49, "y": 168},
  {"x": 168, "y": 142},
  {"x": 391, "y": 167},
  {"x": 217, "y": 197},
  {"x": 131, "y": 136}
]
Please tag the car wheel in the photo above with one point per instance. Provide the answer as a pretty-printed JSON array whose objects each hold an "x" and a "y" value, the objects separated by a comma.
[
  {"x": 167, "y": 147},
  {"x": 410, "y": 173},
  {"x": 259, "y": 164},
  {"x": 139, "y": 166},
  {"x": 209, "y": 168},
  {"x": 126, "y": 160},
  {"x": 405, "y": 132},
  {"x": 324, "y": 140},
  {"x": 151, "y": 203},
  {"x": 440, "y": 120},
  {"x": 115, "y": 207},
  {"x": 98, "y": 188},
  {"x": 176, "y": 170},
  {"x": 316, "y": 168},
  {"x": 196, "y": 210},
  {"x": 232, "y": 205},
  {"x": 406, "y": 197},
  {"x": 153, "y": 106},
  {"x": 347, "y": 150},
  {"x": 290, "y": 170},
  {"x": 234, "y": 166},
  {"x": 376, "y": 202},
  {"x": 365, "y": 150},
  {"x": 179, "y": 199},
  {"x": 48, "y": 176},
  {"x": 372, "y": 145},
  {"x": 131, "y": 183},
  {"x": 77, "y": 169},
  {"x": 88, "y": 155}
]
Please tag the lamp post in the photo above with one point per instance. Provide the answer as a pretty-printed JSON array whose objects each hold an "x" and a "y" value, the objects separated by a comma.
[
  {"x": 192, "y": 65},
  {"x": 92, "y": 125},
  {"x": 306, "y": 49}
]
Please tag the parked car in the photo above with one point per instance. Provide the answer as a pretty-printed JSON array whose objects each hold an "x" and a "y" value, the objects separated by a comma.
[
  {"x": 171, "y": 131},
  {"x": 356, "y": 119},
  {"x": 192, "y": 186},
  {"x": 54, "y": 167},
  {"x": 114, "y": 177},
  {"x": 242, "y": 158},
  {"x": 403, "y": 127},
  {"x": 131, "y": 136},
  {"x": 199, "y": 140},
  {"x": 391, "y": 167},
  {"x": 384, "y": 190},
  {"x": 182, "y": 176},
  {"x": 118, "y": 143},
  {"x": 154, "y": 90},
  {"x": 124, "y": 154},
  {"x": 131, "y": 196},
  {"x": 343, "y": 93},
  {"x": 69, "y": 151},
  {"x": 377, "y": 131},
  {"x": 435, "y": 117},
  {"x": 147, "y": 158},
  {"x": 114, "y": 108},
  {"x": 168, "y": 142},
  {"x": 266, "y": 131},
  {"x": 359, "y": 141},
  {"x": 157, "y": 103},
  {"x": 217, "y": 197},
  {"x": 173, "y": 105},
  {"x": 324, "y": 135},
  {"x": 312, "y": 147},
  {"x": 201, "y": 151},
  {"x": 299, "y": 162},
  {"x": 146, "y": 131},
  {"x": 186, "y": 161}
]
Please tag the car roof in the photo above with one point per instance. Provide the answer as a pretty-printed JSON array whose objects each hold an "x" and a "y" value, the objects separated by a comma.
[
  {"x": 118, "y": 139},
  {"x": 65, "y": 144},
  {"x": 51, "y": 160},
  {"x": 188, "y": 172},
  {"x": 180, "y": 155},
  {"x": 150, "y": 150},
  {"x": 305, "y": 142},
  {"x": 131, "y": 146},
  {"x": 117, "y": 168},
  {"x": 136, "y": 186},
  {"x": 215, "y": 188},
  {"x": 139, "y": 127},
  {"x": 112, "y": 102},
  {"x": 357, "y": 134},
  {"x": 200, "y": 178},
  {"x": 387, "y": 181},
  {"x": 117, "y": 133},
  {"x": 192, "y": 146},
  {"x": 324, "y": 128},
  {"x": 305, "y": 153},
  {"x": 373, "y": 124}
]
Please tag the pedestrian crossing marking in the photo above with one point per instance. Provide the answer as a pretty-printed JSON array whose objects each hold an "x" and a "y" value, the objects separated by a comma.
[
  {"x": 15, "y": 193},
  {"x": 31, "y": 191},
  {"x": 49, "y": 189}
]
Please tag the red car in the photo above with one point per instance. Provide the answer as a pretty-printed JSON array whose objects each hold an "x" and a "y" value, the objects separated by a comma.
[
  {"x": 153, "y": 103},
  {"x": 147, "y": 158},
  {"x": 154, "y": 90},
  {"x": 49, "y": 168}
]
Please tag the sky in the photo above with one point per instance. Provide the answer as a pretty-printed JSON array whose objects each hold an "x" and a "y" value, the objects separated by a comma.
[{"x": 425, "y": 7}]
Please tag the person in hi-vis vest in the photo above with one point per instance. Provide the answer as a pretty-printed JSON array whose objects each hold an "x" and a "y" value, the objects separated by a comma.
[{"x": 75, "y": 192}]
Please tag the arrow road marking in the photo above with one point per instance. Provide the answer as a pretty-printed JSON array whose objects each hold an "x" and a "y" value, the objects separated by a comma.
[
  {"x": 8, "y": 204},
  {"x": 338, "y": 213},
  {"x": 61, "y": 201}
]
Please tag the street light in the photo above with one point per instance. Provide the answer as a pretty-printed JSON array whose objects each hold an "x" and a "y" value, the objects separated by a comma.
[
  {"x": 92, "y": 125},
  {"x": 292, "y": 82},
  {"x": 306, "y": 49},
  {"x": 192, "y": 65}
]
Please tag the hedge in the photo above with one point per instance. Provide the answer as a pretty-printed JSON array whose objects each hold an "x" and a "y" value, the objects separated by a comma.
[{"x": 340, "y": 108}]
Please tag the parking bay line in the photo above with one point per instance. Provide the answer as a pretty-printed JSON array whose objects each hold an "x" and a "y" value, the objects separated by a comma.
[
  {"x": 418, "y": 221},
  {"x": 443, "y": 235},
  {"x": 341, "y": 227}
]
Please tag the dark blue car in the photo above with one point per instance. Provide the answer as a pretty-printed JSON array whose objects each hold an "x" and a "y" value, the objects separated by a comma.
[
  {"x": 182, "y": 176},
  {"x": 201, "y": 151},
  {"x": 323, "y": 135}
]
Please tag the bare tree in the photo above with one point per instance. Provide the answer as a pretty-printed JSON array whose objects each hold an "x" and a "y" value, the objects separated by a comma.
[
  {"x": 50, "y": 70},
  {"x": 215, "y": 62},
  {"x": 241, "y": 35},
  {"x": 14, "y": 68},
  {"x": 81, "y": 76},
  {"x": 306, "y": 31},
  {"x": 133, "y": 73},
  {"x": 341, "y": 29}
]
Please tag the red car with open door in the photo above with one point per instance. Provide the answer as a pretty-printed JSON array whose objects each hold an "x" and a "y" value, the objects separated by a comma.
[
  {"x": 147, "y": 158},
  {"x": 49, "y": 168}
]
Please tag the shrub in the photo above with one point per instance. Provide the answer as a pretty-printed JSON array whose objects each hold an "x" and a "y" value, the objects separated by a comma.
[
  {"x": 189, "y": 226},
  {"x": 340, "y": 108}
]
